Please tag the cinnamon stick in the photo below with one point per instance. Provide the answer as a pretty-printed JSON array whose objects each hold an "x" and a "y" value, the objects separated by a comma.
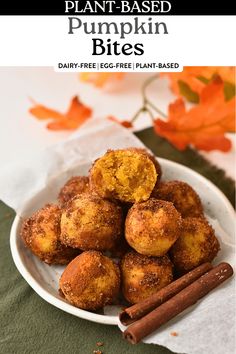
[
  {"x": 133, "y": 313},
  {"x": 178, "y": 303}
]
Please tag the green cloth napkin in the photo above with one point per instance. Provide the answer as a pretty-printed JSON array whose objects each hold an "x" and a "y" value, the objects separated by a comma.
[{"x": 31, "y": 325}]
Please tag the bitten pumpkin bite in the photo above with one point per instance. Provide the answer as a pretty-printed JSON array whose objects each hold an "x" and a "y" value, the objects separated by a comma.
[
  {"x": 40, "y": 234},
  {"x": 90, "y": 222},
  {"x": 143, "y": 276},
  {"x": 197, "y": 244},
  {"x": 74, "y": 186},
  {"x": 126, "y": 175},
  {"x": 152, "y": 227},
  {"x": 182, "y": 195},
  {"x": 153, "y": 159},
  {"x": 90, "y": 281}
]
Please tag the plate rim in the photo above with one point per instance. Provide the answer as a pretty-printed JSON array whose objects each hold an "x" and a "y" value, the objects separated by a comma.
[{"x": 66, "y": 307}]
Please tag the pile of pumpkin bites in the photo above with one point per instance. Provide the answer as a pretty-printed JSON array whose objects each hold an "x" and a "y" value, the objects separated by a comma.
[{"x": 121, "y": 228}]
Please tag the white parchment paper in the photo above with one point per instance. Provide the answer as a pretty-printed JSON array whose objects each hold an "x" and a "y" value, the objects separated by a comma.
[
  {"x": 21, "y": 180},
  {"x": 206, "y": 328}
]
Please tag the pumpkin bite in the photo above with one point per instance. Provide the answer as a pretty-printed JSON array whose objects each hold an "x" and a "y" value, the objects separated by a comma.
[
  {"x": 90, "y": 281},
  {"x": 143, "y": 276},
  {"x": 41, "y": 233},
  {"x": 197, "y": 244},
  {"x": 125, "y": 175},
  {"x": 89, "y": 222},
  {"x": 152, "y": 227}
]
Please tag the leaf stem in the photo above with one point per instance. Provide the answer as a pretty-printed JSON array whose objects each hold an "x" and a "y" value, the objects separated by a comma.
[
  {"x": 156, "y": 109},
  {"x": 142, "y": 109},
  {"x": 148, "y": 106}
]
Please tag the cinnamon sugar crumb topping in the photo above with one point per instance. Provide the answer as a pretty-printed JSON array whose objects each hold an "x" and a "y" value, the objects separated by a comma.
[{"x": 174, "y": 334}]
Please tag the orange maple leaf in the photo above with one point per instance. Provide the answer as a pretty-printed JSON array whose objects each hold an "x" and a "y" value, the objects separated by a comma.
[
  {"x": 75, "y": 116},
  {"x": 124, "y": 123},
  {"x": 192, "y": 76},
  {"x": 204, "y": 125},
  {"x": 100, "y": 79}
]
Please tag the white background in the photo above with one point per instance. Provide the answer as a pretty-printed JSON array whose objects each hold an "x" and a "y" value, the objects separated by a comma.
[{"x": 44, "y": 41}]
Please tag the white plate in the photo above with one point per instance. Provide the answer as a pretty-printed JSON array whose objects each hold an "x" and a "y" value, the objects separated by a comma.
[{"x": 44, "y": 279}]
